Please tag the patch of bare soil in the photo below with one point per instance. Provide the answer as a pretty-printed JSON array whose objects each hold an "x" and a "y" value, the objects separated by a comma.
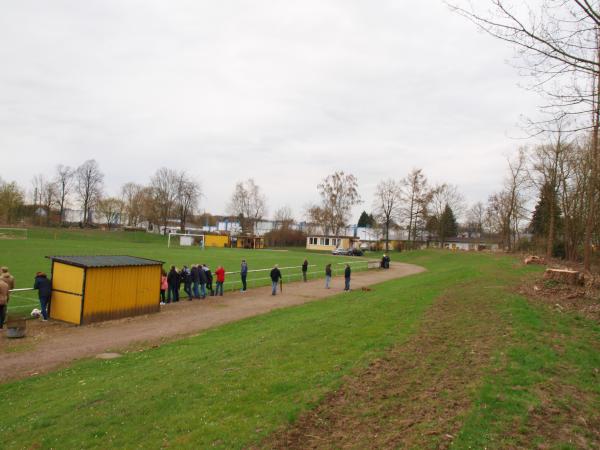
[
  {"x": 564, "y": 297},
  {"x": 416, "y": 396},
  {"x": 52, "y": 344},
  {"x": 564, "y": 415}
]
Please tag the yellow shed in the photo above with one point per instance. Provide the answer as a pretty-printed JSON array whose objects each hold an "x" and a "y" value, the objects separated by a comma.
[
  {"x": 216, "y": 240},
  {"x": 249, "y": 242},
  {"x": 88, "y": 289}
]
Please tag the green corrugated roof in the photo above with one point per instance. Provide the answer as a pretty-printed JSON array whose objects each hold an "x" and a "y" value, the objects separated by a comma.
[{"x": 105, "y": 261}]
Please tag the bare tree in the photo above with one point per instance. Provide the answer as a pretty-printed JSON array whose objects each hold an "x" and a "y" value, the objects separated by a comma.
[
  {"x": 339, "y": 193},
  {"x": 415, "y": 198},
  {"x": 111, "y": 209},
  {"x": 64, "y": 183},
  {"x": 506, "y": 209},
  {"x": 45, "y": 197},
  {"x": 188, "y": 196},
  {"x": 164, "y": 184},
  {"x": 284, "y": 218},
  {"x": 248, "y": 204},
  {"x": 133, "y": 202},
  {"x": 318, "y": 217},
  {"x": 476, "y": 218},
  {"x": 12, "y": 199},
  {"x": 150, "y": 208},
  {"x": 559, "y": 43},
  {"x": 386, "y": 206},
  {"x": 89, "y": 183},
  {"x": 546, "y": 161},
  {"x": 442, "y": 197}
]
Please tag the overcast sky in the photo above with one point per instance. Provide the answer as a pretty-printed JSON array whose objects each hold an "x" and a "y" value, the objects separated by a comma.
[{"x": 285, "y": 92}]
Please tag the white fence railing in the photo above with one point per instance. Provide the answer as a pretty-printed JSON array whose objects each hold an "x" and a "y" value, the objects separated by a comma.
[{"x": 232, "y": 284}]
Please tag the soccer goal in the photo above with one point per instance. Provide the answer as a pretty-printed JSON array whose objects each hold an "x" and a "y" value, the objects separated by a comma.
[
  {"x": 185, "y": 240},
  {"x": 13, "y": 233}
]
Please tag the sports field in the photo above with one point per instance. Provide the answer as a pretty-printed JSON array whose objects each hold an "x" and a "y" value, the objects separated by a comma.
[{"x": 26, "y": 257}]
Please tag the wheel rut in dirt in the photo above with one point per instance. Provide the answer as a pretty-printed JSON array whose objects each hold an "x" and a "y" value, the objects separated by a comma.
[{"x": 414, "y": 396}]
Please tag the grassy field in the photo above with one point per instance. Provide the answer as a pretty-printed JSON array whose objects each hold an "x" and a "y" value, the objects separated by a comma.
[
  {"x": 502, "y": 373},
  {"x": 26, "y": 257}
]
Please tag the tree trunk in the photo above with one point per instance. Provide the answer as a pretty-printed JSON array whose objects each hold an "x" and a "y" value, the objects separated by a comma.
[
  {"x": 591, "y": 194},
  {"x": 387, "y": 236},
  {"x": 550, "y": 241}
]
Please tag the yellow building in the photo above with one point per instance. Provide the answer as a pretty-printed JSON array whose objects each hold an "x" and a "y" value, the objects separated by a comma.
[
  {"x": 216, "y": 240},
  {"x": 329, "y": 242},
  {"x": 88, "y": 289}
]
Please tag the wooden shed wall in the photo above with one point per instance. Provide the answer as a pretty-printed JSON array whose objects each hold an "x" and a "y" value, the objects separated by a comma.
[
  {"x": 67, "y": 290},
  {"x": 114, "y": 292}
]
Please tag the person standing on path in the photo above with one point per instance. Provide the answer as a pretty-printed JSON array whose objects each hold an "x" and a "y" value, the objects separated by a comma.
[
  {"x": 209, "y": 279},
  {"x": 304, "y": 269},
  {"x": 275, "y": 277},
  {"x": 347, "y": 273},
  {"x": 203, "y": 280},
  {"x": 164, "y": 285},
  {"x": 4, "y": 297},
  {"x": 173, "y": 282},
  {"x": 244, "y": 274},
  {"x": 220, "y": 273},
  {"x": 186, "y": 274},
  {"x": 327, "y": 275},
  {"x": 8, "y": 278},
  {"x": 44, "y": 287},
  {"x": 195, "y": 271}
]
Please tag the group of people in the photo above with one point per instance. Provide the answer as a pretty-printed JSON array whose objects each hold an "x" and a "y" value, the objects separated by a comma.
[
  {"x": 7, "y": 283},
  {"x": 197, "y": 280}
]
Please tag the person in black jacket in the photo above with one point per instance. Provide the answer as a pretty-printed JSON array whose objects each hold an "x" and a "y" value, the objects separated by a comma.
[
  {"x": 186, "y": 276},
  {"x": 173, "y": 279},
  {"x": 327, "y": 275},
  {"x": 203, "y": 279},
  {"x": 209, "y": 279},
  {"x": 275, "y": 277},
  {"x": 44, "y": 287},
  {"x": 195, "y": 272},
  {"x": 304, "y": 269},
  {"x": 347, "y": 273}
]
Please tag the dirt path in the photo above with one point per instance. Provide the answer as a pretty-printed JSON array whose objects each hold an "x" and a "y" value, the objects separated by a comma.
[
  {"x": 416, "y": 395},
  {"x": 51, "y": 344}
]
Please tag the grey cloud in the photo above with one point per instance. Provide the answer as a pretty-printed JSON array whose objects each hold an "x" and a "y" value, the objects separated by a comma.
[{"x": 285, "y": 92}]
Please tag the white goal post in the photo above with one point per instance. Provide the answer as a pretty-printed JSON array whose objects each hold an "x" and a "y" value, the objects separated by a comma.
[
  {"x": 14, "y": 233},
  {"x": 187, "y": 240}
]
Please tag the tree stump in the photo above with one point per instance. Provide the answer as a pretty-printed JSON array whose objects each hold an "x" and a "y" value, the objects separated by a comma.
[{"x": 566, "y": 276}]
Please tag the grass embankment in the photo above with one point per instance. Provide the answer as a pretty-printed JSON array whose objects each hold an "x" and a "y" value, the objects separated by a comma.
[
  {"x": 26, "y": 257},
  {"x": 486, "y": 369},
  {"x": 464, "y": 359}
]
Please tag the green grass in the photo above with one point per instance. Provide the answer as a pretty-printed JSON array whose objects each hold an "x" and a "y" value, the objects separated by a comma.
[
  {"x": 26, "y": 257},
  {"x": 233, "y": 385},
  {"x": 545, "y": 351},
  {"x": 226, "y": 387}
]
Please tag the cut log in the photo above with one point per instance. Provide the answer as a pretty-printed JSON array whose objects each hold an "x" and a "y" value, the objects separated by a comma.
[
  {"x": 566, "y": 276},
  {"x": 532, "y": 259}
]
